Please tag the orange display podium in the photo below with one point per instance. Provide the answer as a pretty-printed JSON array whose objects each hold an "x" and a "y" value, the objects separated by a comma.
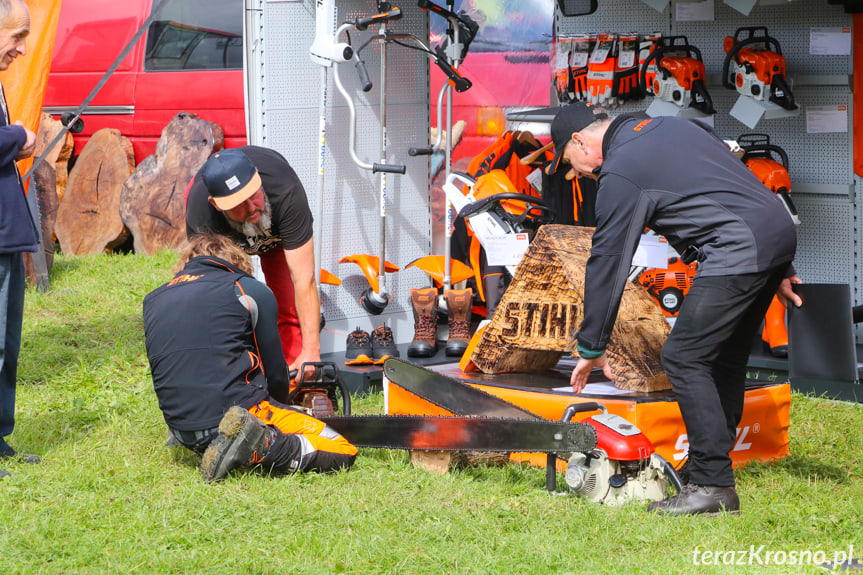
[{"x": 762, "y": 434}]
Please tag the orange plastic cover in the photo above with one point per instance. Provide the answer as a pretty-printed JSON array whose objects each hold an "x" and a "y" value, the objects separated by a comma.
[{"x": 24, "y": 82}]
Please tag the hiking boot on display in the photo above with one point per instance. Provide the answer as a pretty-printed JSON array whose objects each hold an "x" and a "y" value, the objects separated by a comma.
[
  {"x": 425, "y": 308},
  {"x": 243, "y": 441},
  {"x": 699, "y": 499},
  {"x": 383, "y": 345},
  {"x": 358, "y": 349},
  {"x": 458, "y": 305}
]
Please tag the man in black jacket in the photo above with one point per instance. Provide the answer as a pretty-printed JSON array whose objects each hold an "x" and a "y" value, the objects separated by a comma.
[
  {"x": 17, "y": 231},
  {"x": 219, "y": 372},
  {"x": 679, "y": 179}
]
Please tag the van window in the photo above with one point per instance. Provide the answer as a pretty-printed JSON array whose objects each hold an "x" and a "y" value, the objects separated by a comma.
[{"x": 196, "y": 35}]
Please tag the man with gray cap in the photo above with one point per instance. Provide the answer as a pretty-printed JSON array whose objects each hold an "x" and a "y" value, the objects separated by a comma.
[
  {"x": 679, "y": 179},
  {"x": 252, "y": 195}
]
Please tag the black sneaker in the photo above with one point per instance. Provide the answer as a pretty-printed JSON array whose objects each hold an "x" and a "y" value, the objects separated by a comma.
[
  {"x": 243, "y": 441},
  {"x": 383, "y": 345},
  {"x": 358, "y": 349}
]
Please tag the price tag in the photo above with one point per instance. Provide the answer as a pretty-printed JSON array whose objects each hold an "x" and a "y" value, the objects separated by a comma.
[{"x": 505, "y": 249}]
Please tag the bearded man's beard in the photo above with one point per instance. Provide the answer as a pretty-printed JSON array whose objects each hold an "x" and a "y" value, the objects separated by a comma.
[{"x": 258, "y": 229}]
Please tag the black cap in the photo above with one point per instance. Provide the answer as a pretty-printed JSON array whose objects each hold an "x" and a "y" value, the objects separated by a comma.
[
  {"x": 569, "y": 119},
  {"x": 231, "y": 178}
]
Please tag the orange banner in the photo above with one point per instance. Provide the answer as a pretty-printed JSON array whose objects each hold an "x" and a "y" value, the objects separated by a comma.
[{"x": 24, "y": 82}]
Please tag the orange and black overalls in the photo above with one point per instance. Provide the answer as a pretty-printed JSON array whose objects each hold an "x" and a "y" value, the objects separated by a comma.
[{"x": 212, "y": 343}]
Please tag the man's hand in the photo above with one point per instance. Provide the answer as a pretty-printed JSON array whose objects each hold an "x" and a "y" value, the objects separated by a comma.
[
  {"x": 584, "y": 367},
  {"x": 29, "y": 145},
  {"x": 305, "y": 357},
  {"x": 786, "y": 294}
]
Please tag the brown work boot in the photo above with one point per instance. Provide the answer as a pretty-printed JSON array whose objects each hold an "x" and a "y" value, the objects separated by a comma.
[
  {"x": 458, "y": 305},
  {"x": 424, "y": 303},
  {"x": 243, "y": 441}
]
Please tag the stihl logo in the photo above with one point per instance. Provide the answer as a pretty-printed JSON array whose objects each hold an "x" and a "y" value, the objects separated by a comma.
[
  {"x": 184, "y": 278},
  {"x": 641, "y": 125},
  {"x": 681, "y": 448}
]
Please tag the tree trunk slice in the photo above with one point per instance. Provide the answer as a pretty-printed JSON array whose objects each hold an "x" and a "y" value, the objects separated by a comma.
[
  {"x": 88, "y": 220},
  {"x": 153, "y": 202},
  {"x": 441, "y": 462},
  {"x": 59, "y": 155},
  {"x": 530, "y": 329},
  {"x": 43, "y": 183}
]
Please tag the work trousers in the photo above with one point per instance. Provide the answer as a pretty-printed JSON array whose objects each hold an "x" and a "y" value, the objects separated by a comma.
[
  {"x": 277, "y": 276},
  {"x": 705, "y": 358},
  {"x": 12, "y": 287},
  {"x": 300, "y": 442}
]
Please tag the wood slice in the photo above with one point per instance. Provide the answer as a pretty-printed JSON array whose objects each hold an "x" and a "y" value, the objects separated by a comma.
[
  {"x": 152, "y": 202},
  {"x": 59, "y": 155},
  {"x": 441, "y": 462},
  {"x": 43, "y": 183},
  {"x": 531, "y": 327},
  {"x": 88, "y": 220}
]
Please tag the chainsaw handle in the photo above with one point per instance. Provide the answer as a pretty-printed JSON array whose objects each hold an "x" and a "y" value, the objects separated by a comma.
[
  {"x": 763, "y": 151},
  {"x": 691, "y": 51},
  {"x": 581, "y": 407},
  {"x": 481, "y": 205},
  {"x": 670, "y": 473}
]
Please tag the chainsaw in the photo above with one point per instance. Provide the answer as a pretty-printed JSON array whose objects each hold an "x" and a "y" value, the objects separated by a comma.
[
  {"x": 318, "y": 395},
  {"x": 679, "y": 77},
  {"x": 609, "y": 459},
  {"x": 755, "y": 67},
  {"x": 760, "y": 155}
]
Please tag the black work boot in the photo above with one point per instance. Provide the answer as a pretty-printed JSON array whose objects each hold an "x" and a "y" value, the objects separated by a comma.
[
  {"x": 383, "y": 345},
  {"x": 425, "y": 308},
  {"x": 458, "y": 305},
  {"x": 243, "y": 441},
  {"x": 358, "y": 348},
  {"x": 699, "y": 499}
]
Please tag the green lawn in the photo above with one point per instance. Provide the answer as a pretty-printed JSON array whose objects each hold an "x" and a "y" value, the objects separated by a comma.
[{"x": 110, "y": 498}]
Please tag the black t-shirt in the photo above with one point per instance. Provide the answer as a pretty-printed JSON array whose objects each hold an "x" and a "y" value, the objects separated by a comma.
[{"x": 291, "y": 217}]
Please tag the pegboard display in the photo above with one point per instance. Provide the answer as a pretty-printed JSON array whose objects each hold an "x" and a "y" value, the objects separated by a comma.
[
  {"x": 288, "y": 94},
  {"x": 827, "y": 192}
]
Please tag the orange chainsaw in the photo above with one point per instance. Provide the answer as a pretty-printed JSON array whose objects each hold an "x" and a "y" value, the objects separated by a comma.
[
  {"x": 755, "y": 67},
  {"x": 760, "y": 155},
  {"x": 679, "y": 74}
]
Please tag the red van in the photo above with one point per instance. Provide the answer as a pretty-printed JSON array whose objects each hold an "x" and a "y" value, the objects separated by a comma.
[{"x": 190, "y": 59}]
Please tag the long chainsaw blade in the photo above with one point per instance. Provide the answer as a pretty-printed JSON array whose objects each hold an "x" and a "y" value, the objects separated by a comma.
[
  {"x": 463, "y": 433},
  {"x": 450, "y": 394}
]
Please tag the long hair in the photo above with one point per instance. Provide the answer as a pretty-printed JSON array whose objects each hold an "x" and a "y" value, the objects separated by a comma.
[{"x": 213, "y": 245}]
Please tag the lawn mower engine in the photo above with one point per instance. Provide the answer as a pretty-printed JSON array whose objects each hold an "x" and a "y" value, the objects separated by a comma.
[{"x": 623, "y": 467}]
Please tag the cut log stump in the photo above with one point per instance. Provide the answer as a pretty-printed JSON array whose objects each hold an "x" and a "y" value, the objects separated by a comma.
[
  {"x": 530, "y": 329},
  {"x": 59, "y": 155},
  {"x": 152, "y": 202},
  {"x": 43, "y": 183},
  {"x": 88, "y": 219},
  {"x": 442, "y": 462}
]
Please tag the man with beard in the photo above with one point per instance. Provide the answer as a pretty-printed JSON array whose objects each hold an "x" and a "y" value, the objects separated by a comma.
[{"x": 252, "y": 195}]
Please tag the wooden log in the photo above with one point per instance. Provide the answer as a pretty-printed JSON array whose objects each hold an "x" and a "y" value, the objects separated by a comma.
[
  {"x": 152, "y": 202},
  {"x": 88, "y": 219},
  {"x": 532, "y": 325},
  {"x": 43, "y": 183},
  {"x": 441, "y": 462},
  {"x": 59, "y": 155}
]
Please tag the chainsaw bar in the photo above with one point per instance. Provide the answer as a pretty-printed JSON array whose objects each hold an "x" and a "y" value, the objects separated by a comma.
[
  {"x": 451, "y": 394},
  {"x": 463, "y": 433}
]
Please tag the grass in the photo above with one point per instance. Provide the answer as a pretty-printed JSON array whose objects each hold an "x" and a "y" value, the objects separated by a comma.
[{"x": 110, "y": 498}]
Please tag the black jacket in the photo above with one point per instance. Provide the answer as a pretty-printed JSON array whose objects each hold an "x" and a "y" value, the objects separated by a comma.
[
  {"x": 206, "y": 352},
  {"x": 678, "y": 178}
]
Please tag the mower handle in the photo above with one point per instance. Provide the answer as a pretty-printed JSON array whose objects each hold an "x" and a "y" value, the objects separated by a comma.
[
  {"x": 420, "y": 151},
  {"x": 365, "y": 80},
  {"x": 459, "y": 82},
  {"x": 389, "y": 168}
]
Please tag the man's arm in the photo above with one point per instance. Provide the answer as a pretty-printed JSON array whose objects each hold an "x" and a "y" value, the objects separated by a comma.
[{"x": 301, "y": 263}]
